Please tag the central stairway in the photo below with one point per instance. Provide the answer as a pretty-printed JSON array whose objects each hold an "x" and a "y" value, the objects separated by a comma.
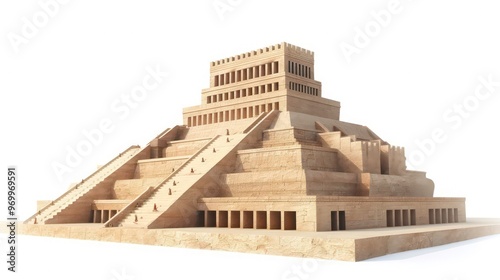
[{"x": 172, "y": 203}]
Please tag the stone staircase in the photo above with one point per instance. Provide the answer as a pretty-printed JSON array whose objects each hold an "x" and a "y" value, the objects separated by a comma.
[
  {"x": 184, "y": 177},
  {"x": 159, "y": 206},
  {"x": 82, "y": 188}
]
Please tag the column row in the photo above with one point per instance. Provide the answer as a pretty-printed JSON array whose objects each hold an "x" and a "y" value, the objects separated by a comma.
[
  {"x": 231, "y": 115},
  {"x": 279, "y": 220},
  {"x": 102, "y": 216},
  {"x": 246, "y": 74},
  {"x": 235, "y": 94},
  {"x": 303, "y": 88},
  {"x": 401, "y": 217},
  {"x": 443, "y": 216},
  {"x": 299, "y": 69}
]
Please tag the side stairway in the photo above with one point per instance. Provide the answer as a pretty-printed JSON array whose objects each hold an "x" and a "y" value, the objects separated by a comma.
[
  {"x": 171, "y": 203},
  {"x": 47, "y": 213}
]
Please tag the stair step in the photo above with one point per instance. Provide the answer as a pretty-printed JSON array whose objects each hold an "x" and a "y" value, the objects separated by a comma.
[
  {"x": 87, "y": 185},
  {"x": 184, "y": 181}
]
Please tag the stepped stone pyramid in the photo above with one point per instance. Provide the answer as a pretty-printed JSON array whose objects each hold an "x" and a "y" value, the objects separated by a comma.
[{"x": 264, "y": 150}]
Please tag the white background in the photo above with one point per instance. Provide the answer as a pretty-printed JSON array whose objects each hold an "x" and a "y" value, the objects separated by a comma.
[{"x": 64, "y": 77}]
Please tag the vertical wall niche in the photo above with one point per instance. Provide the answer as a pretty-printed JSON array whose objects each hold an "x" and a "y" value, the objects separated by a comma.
[
  {"x": 290, "y": 220},
  {"x": 223, "y": 219},
  {"x": 401, "y": 217},
  {"x": 397, "y": 217},
  {"x": 211, "y": 219},
  {"x": 274, "y": 220},
  {"x": 235, "y": 219},
  {"x": 261, "y": 219},
  {"x": 338, "y": 221},
  {"x": 437, "y": 216},
  {"x": 406, "y": 217},
  {"x": 247, "y": 219},
  {"x": 443, "y": 216},
  {"x": 390, "y": 218}
]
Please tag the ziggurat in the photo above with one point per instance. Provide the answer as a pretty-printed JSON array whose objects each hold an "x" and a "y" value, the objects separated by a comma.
[{"x": 264, "y": 151}]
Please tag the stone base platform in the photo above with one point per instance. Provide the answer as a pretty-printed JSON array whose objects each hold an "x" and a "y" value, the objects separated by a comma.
[{"x": 350, "y": 245}]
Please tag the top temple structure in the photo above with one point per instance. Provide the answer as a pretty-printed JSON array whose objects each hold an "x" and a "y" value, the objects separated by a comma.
[
  {"x": 264, "y": 150},
  {"x": 279, "y": 77}
]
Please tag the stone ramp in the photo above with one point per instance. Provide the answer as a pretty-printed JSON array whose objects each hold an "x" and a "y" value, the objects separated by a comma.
[
  {"x": 57, "y": 206},
  {"x": 167, "y": 193},
  {"x": 172, "y": 202}
]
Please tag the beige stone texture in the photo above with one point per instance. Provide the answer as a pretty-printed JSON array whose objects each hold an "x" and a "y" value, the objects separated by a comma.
[
  {"x": 266, "y": 155},
  {"x": 131, "y": 188},
  {"x": 158, "y": 167},
  {"x": 350, "y": 245}
]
